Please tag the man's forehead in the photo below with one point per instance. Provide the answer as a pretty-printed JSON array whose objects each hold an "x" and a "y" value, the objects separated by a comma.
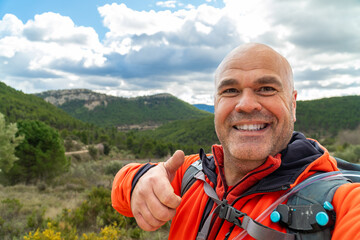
[
  {"x": 254, "y": 58},
  {"x": 248, "y": 61}
]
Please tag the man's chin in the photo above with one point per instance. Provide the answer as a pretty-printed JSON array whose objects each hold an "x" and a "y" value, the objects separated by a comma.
[{"x": 254, "y": 153}]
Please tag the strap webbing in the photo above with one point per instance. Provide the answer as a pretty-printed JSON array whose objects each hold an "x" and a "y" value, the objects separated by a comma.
[
  {"x": 202, "y": 235},
  {"x": 259, "y": 231},
  {"x": 254, "y": 229}
]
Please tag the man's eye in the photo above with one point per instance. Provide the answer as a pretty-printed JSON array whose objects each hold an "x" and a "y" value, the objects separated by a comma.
[
  {"x": 230, "y": 90},
  {"x": 267, "y": 90}
]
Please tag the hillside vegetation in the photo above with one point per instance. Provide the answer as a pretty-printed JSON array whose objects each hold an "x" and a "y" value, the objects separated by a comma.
[
  {"x": 16, "y": 105},
  {"x": 328, "y": 116},
  {"x": 109, "y": 111},
  {"x": 199, "y": 132}
]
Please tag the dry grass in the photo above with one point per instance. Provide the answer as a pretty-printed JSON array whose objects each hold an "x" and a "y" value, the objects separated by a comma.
[
  {"x": 350, "y": 136},
  {"x": 51, "y": 199},
  {"x": 65, "y": 192}
]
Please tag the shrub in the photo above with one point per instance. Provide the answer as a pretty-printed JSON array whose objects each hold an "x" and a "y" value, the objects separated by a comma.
[
  {"x": 95, "y": 212},
  {"x": 36, "y": 219},
  {"x": 113, "y": 167},
  {"x": 9, "y": 215},
  {"x": 93, "y": 152},
  {"x": 48, "y": 234},
  {"x": 349, "y": 153}
]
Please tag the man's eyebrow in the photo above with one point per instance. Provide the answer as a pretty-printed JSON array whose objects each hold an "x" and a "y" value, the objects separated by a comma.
[
  {"x": 269, "y": 80},
  {"x": 227, "y": 82},
  {"x": 261, "y": 81}
]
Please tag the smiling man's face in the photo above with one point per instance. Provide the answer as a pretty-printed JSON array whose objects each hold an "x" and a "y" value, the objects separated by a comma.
[{"x": 254, "y": 103}]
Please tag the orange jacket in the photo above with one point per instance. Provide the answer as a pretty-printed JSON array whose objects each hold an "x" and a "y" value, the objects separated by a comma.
[{"x": 252, "y": 195}]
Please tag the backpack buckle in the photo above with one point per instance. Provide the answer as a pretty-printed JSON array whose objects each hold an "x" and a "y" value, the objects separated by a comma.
[{"x": 230, "y": 213}]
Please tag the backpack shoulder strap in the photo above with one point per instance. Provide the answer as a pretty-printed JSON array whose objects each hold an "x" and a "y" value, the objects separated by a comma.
[{"x": 189, "y": 176}]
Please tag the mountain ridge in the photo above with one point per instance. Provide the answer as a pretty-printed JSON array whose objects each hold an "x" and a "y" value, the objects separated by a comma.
[
  {"x": 125, "y": 113},
  {"x": 16, "y": 105}
]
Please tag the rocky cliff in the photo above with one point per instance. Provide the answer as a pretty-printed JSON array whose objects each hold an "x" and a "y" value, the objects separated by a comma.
[{"x": 60, "y": 97}]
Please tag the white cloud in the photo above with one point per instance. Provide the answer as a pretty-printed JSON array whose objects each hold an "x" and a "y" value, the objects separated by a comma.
[
  {"x": 10, "y": 25},
  {"x": 45, "y": 49},
  {"x": 123, "y": 21},
  {"x": 166, "y": 4},
  {"x": 189, "y": 6}
]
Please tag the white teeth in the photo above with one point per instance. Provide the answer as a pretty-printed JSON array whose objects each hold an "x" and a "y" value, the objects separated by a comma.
[{"x": 251, "y": 127}]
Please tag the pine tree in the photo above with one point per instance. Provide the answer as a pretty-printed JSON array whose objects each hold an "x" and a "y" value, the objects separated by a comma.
[
  {"x": 8, "y": 142},
  {"x": 41, "y": 154}
]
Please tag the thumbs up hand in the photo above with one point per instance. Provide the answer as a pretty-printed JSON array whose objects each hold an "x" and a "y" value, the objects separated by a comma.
[{"x": 153, "y": 201}]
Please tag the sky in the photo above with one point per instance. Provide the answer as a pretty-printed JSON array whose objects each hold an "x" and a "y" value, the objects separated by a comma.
[{"x": 143, "y": 47}]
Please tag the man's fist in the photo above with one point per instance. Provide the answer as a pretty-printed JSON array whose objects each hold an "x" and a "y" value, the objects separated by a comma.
[{"x": 153, "y": 201}]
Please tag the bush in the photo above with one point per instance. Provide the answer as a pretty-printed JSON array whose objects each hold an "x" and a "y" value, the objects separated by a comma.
[
  {"x": 9, "y": 215},
  {"x": 93, "y": 152},
  {"x": 349, "y": 153},
  {"x": 113, "y": 167},
  {"x": 111, "y": 232},
  {"x": 36, "y": 219},
  {"x": 95, "y": 212},
  {"x": 47, "y": 234}
]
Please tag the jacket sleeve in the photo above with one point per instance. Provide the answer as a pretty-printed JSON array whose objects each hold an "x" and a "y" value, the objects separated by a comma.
[
  {"x": 126, "y": 179},
  {"x": 123, "y": 184},
  {"x": 346, "y": 203}
]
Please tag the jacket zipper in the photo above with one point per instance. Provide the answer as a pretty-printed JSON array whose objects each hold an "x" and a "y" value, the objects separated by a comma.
[{"x": 229, "y": 233}]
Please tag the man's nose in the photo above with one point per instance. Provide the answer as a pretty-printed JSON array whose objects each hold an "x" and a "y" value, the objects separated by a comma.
[{"x": 248, "y": 101}]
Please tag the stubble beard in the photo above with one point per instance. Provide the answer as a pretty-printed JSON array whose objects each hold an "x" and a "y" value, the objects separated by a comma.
[{"x": 236, "y": 152}]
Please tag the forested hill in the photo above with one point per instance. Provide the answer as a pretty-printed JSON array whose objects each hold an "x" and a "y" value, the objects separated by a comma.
[
  {"x": 328, "y": 115},
  {"x": 107, "y": 111},
  {"x": 16, "y": 105}
]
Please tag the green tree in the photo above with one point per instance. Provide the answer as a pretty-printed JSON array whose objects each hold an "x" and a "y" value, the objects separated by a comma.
[
  {"x": 8, "y": 142},
  {"x": 41, "y": 154}
]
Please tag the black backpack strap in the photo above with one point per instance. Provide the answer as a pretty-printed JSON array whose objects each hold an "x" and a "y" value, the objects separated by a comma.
[
  {"x": 188, "y": 178},
  {"x": 205, "y": 164}
]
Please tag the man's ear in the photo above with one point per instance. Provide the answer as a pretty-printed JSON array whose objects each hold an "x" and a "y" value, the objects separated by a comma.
[{"x": 294, "y": 96}]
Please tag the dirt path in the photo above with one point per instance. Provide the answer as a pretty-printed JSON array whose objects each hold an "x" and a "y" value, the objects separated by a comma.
[{"x": 76, "y": 152}]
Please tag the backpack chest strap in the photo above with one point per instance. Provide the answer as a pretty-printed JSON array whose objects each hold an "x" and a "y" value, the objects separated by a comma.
[{"x": 240, "y": 219}]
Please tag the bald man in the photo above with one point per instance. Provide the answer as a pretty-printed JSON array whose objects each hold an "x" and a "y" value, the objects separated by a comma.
[{"x": 260, "y": 158}]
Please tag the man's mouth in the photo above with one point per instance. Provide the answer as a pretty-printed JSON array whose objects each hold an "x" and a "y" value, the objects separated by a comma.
[{"x": 251, "y": 127}]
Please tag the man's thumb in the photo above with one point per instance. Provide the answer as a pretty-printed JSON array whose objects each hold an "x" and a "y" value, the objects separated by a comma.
[{"x": 173, "y": 163}]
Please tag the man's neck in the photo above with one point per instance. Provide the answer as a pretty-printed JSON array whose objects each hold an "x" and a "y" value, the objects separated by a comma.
[{"x": 236, "y": 169}]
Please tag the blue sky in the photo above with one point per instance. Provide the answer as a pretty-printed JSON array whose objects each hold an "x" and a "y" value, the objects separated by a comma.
[
  {"x": 82, "y": 12},
  {"x": 134, "y": 48}
]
